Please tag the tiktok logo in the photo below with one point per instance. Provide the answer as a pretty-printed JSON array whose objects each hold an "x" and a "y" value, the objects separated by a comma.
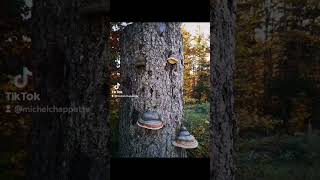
[
  {"x": 20, "y": 81},
  {"x": 116, "y": 87}
]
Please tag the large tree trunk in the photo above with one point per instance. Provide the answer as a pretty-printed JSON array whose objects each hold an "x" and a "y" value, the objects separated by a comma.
[
  {"x": 70, "y": 70},
  {"x": 158, "y": 85},
  {"x": 222, "y": 102}
]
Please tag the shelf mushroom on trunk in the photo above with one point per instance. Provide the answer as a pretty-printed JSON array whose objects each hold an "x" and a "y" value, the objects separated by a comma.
[
  {"x": 172, "y": 60},
  {"x": 150, "y": 120},
  {"x": 185, "y": 139}
]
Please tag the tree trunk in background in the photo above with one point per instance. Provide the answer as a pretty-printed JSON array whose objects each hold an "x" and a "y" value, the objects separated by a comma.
[
  {"x": 222, "y": 102},
  {"x": 315, "y": 113},
  {"x": 268, "y": 65},
  {"x": 70, "y": 70},
  {"x": 159, "y": 86}
]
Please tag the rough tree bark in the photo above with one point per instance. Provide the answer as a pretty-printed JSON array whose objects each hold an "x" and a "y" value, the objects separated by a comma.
[
  {"x": 159, "y": 86},
  {"x": 70, "y": 69},
  {"x": 222, "y": 17}
]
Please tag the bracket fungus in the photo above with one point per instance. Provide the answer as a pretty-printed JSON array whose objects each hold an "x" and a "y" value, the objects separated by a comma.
[
  {"x": 172, "y": 60},
  {"x": 185, "y": 139},
  {"x": 140, "y": 61},
  {"x": 150, "y": 120}
]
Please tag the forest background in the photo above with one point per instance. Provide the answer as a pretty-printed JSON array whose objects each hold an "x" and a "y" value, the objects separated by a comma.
[{"x": 276, "y": 89}]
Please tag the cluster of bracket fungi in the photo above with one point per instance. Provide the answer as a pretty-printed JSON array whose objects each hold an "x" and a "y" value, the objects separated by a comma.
[
  {"x": 141, "y": 61},
  {"x": 151, "y": 120}
]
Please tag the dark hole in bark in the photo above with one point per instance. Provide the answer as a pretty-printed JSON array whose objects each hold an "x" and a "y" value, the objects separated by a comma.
[
  {"x": 140, "y": 46},
  {"x": 170, "y": 53},
  {"x": 225, "y": 89},
  {"x": 174, "y": 96},
  {"x": 167, "y": 67},
  {"x": 230, "y": 5},
  {"x": 129, "y": 85},
  {"x": 150, "y": 73},
  {"x": 134, "y": 117},
  {"x": 142, "y": 89},
  {"x": 151, "y": 91},
  {"x": 174, "y": 68},
  {"x": 154, "y": 107}
]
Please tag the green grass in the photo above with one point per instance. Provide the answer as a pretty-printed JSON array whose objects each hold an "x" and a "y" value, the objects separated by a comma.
[
  {"x": 279, "y": 158},
  {"x": 12, "y": 165},
  {"x": 197, "y": 114},
  {"x": 261, "y": 158},
  {"x": 196, "y": 119},
  {"x": 257, "y": 158}
]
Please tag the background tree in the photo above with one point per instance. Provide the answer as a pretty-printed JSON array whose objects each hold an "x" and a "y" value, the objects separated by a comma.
[
  {"x": 70, "y": 69},
  {"x": 201, "y": 51},
  {"x": 222, "y": 118},
  {"x": 275, "y": 46},
  {"x": 188, "y": 76},
  {"x": 196, "y": 74},
  {"x": 276, "y": 88},
  {"x": 299, "y": 49},
  {"x": 15, "y": 53},
  {"x": 158, "y": 86}
]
